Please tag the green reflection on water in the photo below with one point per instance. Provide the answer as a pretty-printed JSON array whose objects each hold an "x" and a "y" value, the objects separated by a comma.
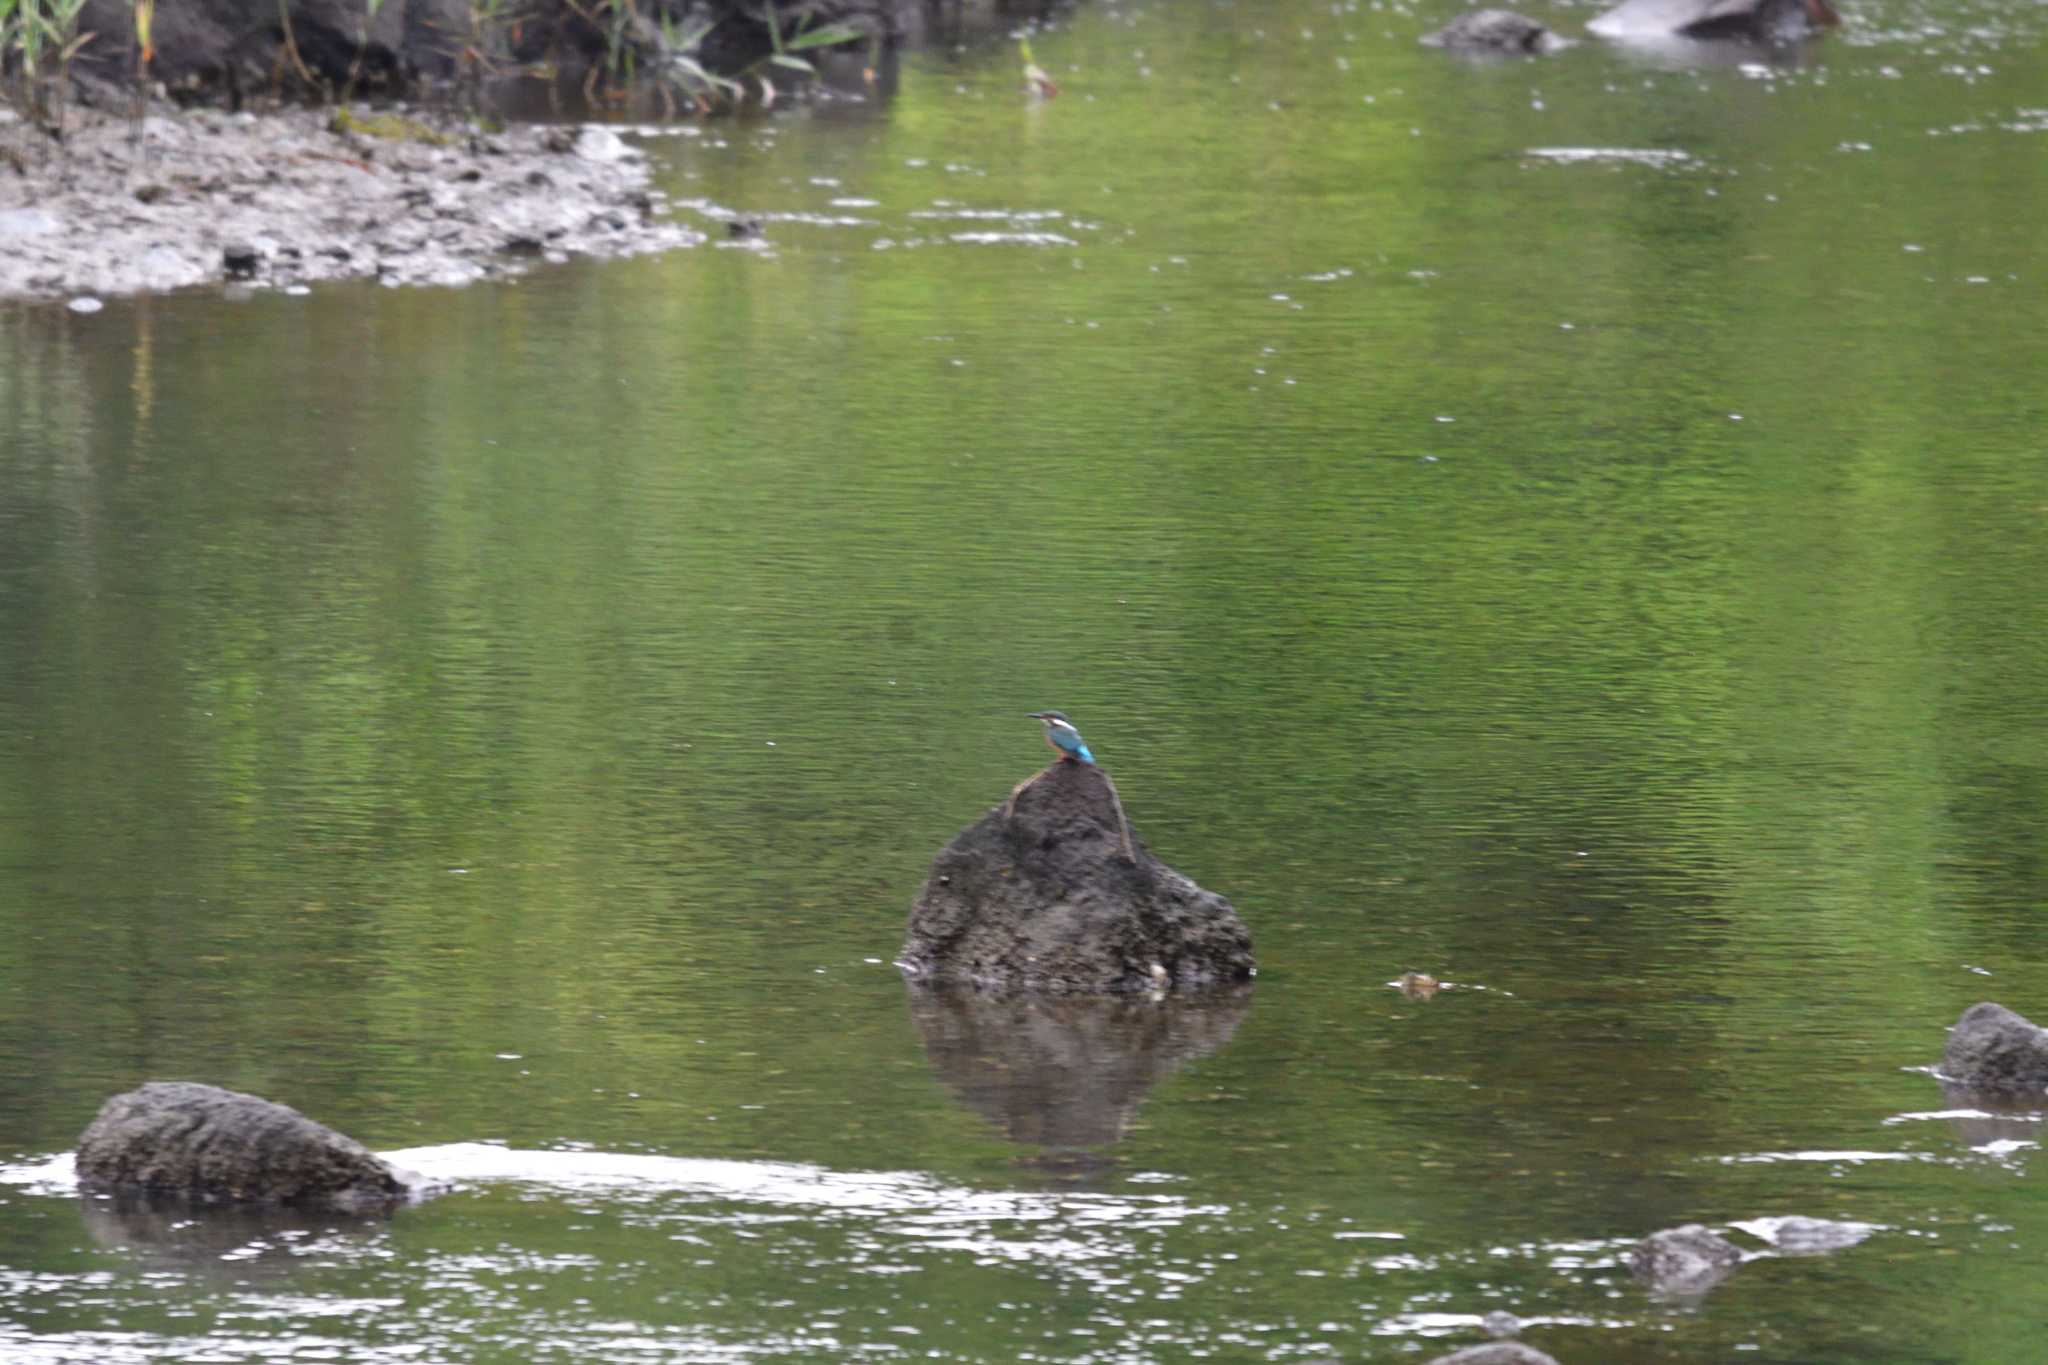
[{"x": 1610, "y": 585}]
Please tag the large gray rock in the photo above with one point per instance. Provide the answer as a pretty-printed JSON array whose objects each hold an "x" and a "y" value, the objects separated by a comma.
[
  {"x": 1044, "y": 899},
  {"x": 1683, "y": 1262},
  {"x": 219, "y": 1145},
  {"x": 1992, "y": 1048}
]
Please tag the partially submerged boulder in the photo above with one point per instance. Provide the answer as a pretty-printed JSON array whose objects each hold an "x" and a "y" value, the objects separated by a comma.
[
  {"x": 1797, "y": 1235},
  {"x": 1769, "y": 21},
  {"x": 1044, "y": 899},
  {"x": 222, "y": 1146},
  {"x": 1494, "y": 32},
  {"x": 1683, "y": 1262},
  {"x": 1496, "y": 1353},
  {"x": 1991, "y": 1048}
]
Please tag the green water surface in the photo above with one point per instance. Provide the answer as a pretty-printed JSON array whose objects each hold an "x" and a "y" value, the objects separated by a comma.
[{"x": 1577, "y": 528}]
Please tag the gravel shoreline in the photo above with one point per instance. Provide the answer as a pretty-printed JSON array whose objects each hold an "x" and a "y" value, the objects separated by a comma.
[{"x": 298, "y": 196}]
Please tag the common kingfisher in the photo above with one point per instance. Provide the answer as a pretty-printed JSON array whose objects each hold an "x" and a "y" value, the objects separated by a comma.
[{"x": 1066, "y": 741}]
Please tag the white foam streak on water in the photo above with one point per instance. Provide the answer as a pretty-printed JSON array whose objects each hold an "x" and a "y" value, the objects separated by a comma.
[
  {"x": 991, "y": 215},
  {"x": 1847, "y": 1157},
  {"x": 895, "y": 1220},
  {"x": 1964, "y": 1114},
  {"x": 1428, "y": 1324},
  {"x": 931, "y": 1205},
  {"x": 1644, "y": 156},
  {"x": 56, "y": 1175},
  {"x": 2005, "y": 1147},
  {"x": 1010, "y": 238},
  {"x": 994, "y": 1224},
  {"x": 1794, "y": 1232}
]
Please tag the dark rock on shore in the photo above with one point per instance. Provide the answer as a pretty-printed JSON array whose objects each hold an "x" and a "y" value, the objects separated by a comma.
[
  {"x": 1683, "y": 1262},
  {"x": 1045, "y": 900},
  {"x": 1494, "y": 32},
  {"x": 226, "y": 51},
  {"x": 219, "y": 1145},
  {"x": 1991, "y": 1048},
  {"x": 237, "y": 47}
]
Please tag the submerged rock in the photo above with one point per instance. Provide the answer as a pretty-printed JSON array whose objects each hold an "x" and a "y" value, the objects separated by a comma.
[
  {"x": 1496, "y": 31},
  {"x": 1774, "y": 21},
  {"x": 1684, "y": 1261},
  {"x": 1044, "y": 899},
  {"x": 1992, "y": 1048},
  {"x": 1797, "y": 1235},
  {"x": 219, "y": 1145},
  {"x": 1496, "y": 1353}
]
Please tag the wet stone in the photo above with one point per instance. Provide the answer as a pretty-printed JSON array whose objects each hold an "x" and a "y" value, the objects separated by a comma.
[
  {"x": 182, "y": 1137},
  {"x": 282, "y": 200},
  {"x": 1992, "y": 1048},
  {"x": 1493, "y": 31},
  {"x": 16, "y": 224},
  {"x": 1042, "y": 894},
  {"x": 1684, "y": 1261},
  {"x": 241, "y": 260},
  {"x": 1501, "y": 1323},
  {"x": 1496, "y": 1353},
  {"x": 1796, "y": 1235}
]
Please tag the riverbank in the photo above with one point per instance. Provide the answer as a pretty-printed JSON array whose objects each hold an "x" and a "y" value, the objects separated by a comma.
[{"x": 296, "y": 196}]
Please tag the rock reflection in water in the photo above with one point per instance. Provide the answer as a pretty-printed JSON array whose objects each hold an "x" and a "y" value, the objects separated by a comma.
[
  {"x": 1067, "y": 1073},
  {"x": 230, "y": 1242},
  {"x": 1995, "y": 1121}
]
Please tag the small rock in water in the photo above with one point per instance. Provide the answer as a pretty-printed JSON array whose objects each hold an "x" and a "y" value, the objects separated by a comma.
[
  {"x": 1501, "y": 1323},
  {"x": 199, "y": 1140},
  {"x": 1684, "y": 1261},
  {"x": 1417, "y": 985},
  {"x": 1493, "y": 31},
  {"x": 1992, "y": 1048}
]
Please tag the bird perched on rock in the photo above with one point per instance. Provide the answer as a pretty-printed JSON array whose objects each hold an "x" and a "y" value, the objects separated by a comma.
[
  {"x": 1066, "y": 741},
  {"x": 1060, "y": 733}
]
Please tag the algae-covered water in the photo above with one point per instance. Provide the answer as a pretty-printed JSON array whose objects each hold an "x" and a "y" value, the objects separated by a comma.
[{"x": 1575, "y": 528}]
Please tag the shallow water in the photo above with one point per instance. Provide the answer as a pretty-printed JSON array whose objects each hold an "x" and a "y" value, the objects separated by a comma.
[{"x": 1571, "y": 527}]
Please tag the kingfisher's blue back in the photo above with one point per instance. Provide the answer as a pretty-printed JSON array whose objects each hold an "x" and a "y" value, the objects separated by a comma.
[{"x": 1061, "y": 734}]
